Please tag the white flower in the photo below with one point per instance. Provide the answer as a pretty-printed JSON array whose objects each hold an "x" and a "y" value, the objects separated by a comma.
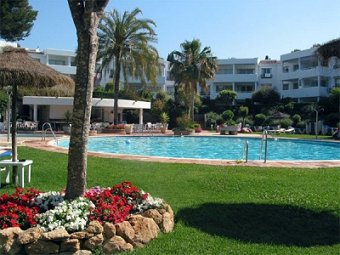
[{"x": 72, "y": 215}]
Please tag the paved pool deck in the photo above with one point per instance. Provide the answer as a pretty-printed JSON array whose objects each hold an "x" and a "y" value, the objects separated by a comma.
[{"x": 36, "y": 142}]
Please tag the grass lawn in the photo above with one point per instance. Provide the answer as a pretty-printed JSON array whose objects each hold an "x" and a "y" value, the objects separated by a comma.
[{"x": 220, "y": 210}]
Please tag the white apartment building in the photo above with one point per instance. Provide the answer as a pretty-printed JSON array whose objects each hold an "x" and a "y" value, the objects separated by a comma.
[
  {"x": 61, "y": 60},
  {"x": 300, "y": 75},
  {"x": 269, "y": 73},
  {"x": 239, "y": 75},
  {"x": 307, "y": 78}
]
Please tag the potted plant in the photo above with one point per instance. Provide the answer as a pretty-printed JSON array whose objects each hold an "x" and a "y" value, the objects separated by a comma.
[
  {"x": 68, "y": 117},
  {"x": 198, "y": 128},
  {"x": 164, "y": 120},
  {"x": 128, "y": 128},
  {"x": 184, "y": 126}
]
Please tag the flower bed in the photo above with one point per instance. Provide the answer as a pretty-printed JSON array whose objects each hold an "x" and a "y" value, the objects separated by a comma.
[{"x": 116, "y": 219}]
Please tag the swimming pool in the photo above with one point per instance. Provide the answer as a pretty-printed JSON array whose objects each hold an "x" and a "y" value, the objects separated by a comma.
[{"x": 204, "y": 147}]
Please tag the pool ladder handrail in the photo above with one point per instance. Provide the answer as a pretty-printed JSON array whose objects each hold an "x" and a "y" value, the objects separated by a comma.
[
  {"x": 264, "y": 139},
  {"x": 49, "y": 128},
  {"x": 245, "y": 151}
]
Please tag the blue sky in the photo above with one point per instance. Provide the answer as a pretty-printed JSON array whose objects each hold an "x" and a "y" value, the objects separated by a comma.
[{"x": 232, "y": 28}]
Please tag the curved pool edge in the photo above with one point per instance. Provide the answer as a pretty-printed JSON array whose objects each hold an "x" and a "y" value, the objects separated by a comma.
[{"x": 49, "y": 146}]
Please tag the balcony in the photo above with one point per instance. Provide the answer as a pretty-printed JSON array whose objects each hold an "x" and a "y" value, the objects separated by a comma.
[{"x": 266, "y": 75}]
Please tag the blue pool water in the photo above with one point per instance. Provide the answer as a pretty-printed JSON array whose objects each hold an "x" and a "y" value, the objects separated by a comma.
[{"x": 229, "y": 148}]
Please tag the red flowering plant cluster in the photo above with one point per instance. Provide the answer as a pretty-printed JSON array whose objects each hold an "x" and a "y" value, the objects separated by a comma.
[
  {"x": 132, "y": 194},
  {"x": 108, "y": 207},
  {"x": 114, "y": 204},
  {"x": 118, "y": 126},
  {"x": 26, "y": 208},
  {"x": 18, "y": 209}
]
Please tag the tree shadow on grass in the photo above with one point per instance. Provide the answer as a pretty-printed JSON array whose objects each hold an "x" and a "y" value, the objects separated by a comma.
[{"x": 264, "y": 223}]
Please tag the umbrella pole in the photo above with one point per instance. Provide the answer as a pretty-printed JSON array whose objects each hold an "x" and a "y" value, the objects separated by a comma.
[{"x": 14, "y": 131}]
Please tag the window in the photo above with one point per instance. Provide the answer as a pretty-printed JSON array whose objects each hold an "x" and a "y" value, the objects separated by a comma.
[
  {"x": 57, "y": 62},
  {"x": 285, "y": 86},
  {"x": 295, "y": 85},
  {"x": 245, "y": 87},
  {"x": 223, "y": 86},
  {"x": 73, "y": 61},
  {"x": 308, "y": 83},
  {"x": 285, "y": 69},
  {"x": 295, "y": 67},
  {"x": 324, "y": 82},
  {"x": 309, "y": 62},
  {"x": 266, "y": 72},
  {"x": 245, "y": 71},
  {"x": 225, "y": 69},
  {"x": 337, "y": 81}
]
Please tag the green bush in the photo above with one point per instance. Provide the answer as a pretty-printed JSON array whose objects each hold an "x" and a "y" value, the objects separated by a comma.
[
  {"x": 227, "y": 115},
  {"x": 260, "y": 119},
  {"x": 285, "y": 123},
  {"x": 211, "y": 119},
  {"x": 184, "y": 123},
  {"x": 296, "y": 119},
  {"x": 109, "y": 86},
  {"x": 301, "y": 124},
  {"x": 332, "y": 119}
]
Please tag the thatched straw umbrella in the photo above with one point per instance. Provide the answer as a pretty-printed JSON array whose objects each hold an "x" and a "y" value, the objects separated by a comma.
[{"x": 17, "y": 68}]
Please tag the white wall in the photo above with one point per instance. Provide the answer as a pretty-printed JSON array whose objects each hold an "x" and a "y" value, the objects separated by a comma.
[{"x": 58, "y": 111}]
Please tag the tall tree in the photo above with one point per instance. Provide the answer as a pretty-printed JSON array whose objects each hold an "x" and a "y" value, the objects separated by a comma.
[
  {"x": 16, "y": 19},
  {"x": 124, "y": 40},
  {"x": 191, "y": 67},
  {"x": 329, "y": 49},
  {"x": 86, "y": 15},
  {"x": 266, "y": 96}
]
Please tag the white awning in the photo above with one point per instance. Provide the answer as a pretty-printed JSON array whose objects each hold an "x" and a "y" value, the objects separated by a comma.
[{"x": 96, "y": 102}]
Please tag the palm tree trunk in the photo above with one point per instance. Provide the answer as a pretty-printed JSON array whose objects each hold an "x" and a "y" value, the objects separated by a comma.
[
  {"x": 86, "y": 18},
  {"x": 193, "y": 105},
  {"x": 14, "y": 134},
  {"x": 116, "y": 88}
]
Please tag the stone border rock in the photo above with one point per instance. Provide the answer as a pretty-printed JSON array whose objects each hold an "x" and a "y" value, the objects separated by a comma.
[{"x": 136, "y": 231}]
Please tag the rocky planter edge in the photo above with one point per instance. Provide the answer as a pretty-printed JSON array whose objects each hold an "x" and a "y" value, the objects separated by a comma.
[{"x": 136, "y": 231}]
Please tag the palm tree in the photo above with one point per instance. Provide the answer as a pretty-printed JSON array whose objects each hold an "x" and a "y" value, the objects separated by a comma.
[
  {"x": 125, "y": 41},
  {"x": 191, "y": 67}
]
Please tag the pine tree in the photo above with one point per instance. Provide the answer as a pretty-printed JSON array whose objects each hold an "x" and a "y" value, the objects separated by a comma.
[{"x": 16, "y": 19}]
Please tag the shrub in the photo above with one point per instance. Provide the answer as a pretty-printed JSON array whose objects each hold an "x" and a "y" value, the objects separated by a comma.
[
  {"x": 227, "y": 96},
  {"x": 184, "y": 123},
  {"x": 266, "y": 95},
  {"x": 109, "y": 86},
  {"x": 227, "y": 115},
  {"x": 285, "y": 123},
  {"x": 332, "y": 119},
  {"x": 212, "y": 118},
  {"x": 296, "y": 119},
  {"x": 260, "y": 119}
]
